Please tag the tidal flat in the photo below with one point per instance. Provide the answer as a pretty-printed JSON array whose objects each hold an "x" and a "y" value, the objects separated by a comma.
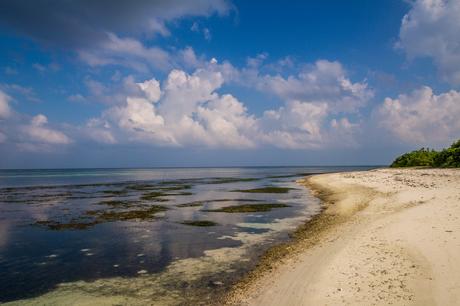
[{"x": 127, "y": 236}]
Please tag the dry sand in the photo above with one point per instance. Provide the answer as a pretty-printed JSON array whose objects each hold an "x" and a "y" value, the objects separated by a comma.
[{"x": 387, "y": 236}]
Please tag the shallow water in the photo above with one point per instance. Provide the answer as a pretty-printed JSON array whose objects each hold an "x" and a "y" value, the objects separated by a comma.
[{"x": 118, "y": 235}]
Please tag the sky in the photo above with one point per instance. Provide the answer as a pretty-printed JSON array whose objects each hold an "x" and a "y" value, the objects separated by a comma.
[{"x": 169, "y": 83}]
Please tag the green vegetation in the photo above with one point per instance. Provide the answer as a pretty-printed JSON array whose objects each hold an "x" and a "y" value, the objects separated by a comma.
[
  {"x": 268, "y": 189},
  {"x": 199, "y": 223},
  {"x": 449, "y": 157},
  {"x": 248, "y": 208}
]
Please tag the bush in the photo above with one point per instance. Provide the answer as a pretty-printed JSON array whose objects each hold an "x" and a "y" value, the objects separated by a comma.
[{"x": 449, "y": 157}]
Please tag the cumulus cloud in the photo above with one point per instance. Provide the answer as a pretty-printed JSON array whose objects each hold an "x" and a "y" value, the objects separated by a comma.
[
  {"x": 187, "y": 110},
  {"x": 38, "y": 132},
  {"x": 28, "y": 133},
  {"x": 430, "y": 29},
  {"x": 99, "y": 131},
  {"x": 324, "y": 82},
  {"x": 422, "y": 117}
]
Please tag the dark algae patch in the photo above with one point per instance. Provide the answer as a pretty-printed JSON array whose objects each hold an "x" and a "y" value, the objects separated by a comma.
[
  {"x": 72, "y": 225},
  {"x": 154, "y": 196},
  {"x": 93, "y": 217},
  {"x": 113, "y": 215},
  {"x": 268, "y": 189},
  {"x": 191, "y": 204},
  {"x": 199, "y": 223},
  {"x": 201, "y": 203},
  {"x": 247, "y": 208},
  {"x": 119, "y": 203}
]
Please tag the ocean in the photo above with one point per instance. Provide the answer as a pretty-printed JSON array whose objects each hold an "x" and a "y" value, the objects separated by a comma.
[{"x": 136, "y": 236}]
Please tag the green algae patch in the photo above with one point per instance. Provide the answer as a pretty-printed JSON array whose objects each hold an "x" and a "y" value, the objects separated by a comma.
[
  {"x": 119, "y": 203},
  {"x": 115, "y": 192},
  {"x": 178, "y": 187},
  {"x": 154, "y": 196},
  {"x": 201, "y": 203},
  {"x": 72, "y": 225},
  {"x": 236, "y": 200},
  {"x": 93, "y": 217},
  {"x": 199, "y": 223},
  {"x": 191, "y": 204},
  {"x": 248, "y": 208},
  {"x": 268, "y": 189},
  {"x": 138, "y": 214},
  {"x": 184, "y": 193}
]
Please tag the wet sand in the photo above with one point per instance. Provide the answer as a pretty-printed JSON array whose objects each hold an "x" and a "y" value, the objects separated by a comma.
[{"x": 387, "y": 236}]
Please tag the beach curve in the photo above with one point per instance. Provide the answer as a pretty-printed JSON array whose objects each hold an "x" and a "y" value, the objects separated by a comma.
[{"x": 386, "y": 236}]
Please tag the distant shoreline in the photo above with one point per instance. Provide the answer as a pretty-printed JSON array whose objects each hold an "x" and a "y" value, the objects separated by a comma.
[{"x": 384, "y": 236}]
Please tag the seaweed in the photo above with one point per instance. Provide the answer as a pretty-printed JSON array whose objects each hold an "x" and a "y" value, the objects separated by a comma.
[
  {"x": 154, "y": 196},
  {"x": 191, "y": 204},
  {"x": 199, "y": 223},
  {"x": 178, "y": 187},
  {"x": 140, "y": 187},
  {"x": 114, "y": 215},
  {"x": 118, "y": 203},
  {"x": 73, "y": 225},
  {"x": 93, "y": 217},
  {"x": 268, "y": 189},
  {"x": 200, "y": 203},
  {"x": 245, "y": 208},
  {"x": 115, "y": 192}
]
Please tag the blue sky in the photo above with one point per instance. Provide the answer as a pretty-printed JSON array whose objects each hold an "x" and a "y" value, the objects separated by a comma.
[{"x": 225, "y": 83}]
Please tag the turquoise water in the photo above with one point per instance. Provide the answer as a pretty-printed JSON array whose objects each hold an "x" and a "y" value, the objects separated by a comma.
[{"x": 94, "y": 226}]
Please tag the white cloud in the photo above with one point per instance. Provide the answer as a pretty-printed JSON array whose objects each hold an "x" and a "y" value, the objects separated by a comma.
[
  {"x": 187, "y": 110},
  {"x": 99, "y": 131},
  {"x": 127, "y": 52},
  {"x": 26, "y": 92},
  {"x": 422, "y": 117},
  {"x": 324, "y": 82},
  {"x": 38, "y": 132},
  {"x": 5, "y": 110},
  {"x": 296, "y": 125},
  {"x": 431, "y": 29},
  {"x": 76, "y": 98}
]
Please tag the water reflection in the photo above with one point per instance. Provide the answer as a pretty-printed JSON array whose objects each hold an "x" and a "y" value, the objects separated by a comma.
[{"x": 35, "y": 258}]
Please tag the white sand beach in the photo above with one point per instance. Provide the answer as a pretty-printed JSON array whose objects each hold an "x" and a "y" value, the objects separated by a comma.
[{"x": 393, "y": 237}]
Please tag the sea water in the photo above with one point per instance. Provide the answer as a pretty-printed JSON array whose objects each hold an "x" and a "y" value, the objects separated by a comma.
[{"x": 130, "y": 236}]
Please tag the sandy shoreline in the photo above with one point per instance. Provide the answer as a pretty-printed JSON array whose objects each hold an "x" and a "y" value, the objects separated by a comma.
[{"x": 386, "y": 236}]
